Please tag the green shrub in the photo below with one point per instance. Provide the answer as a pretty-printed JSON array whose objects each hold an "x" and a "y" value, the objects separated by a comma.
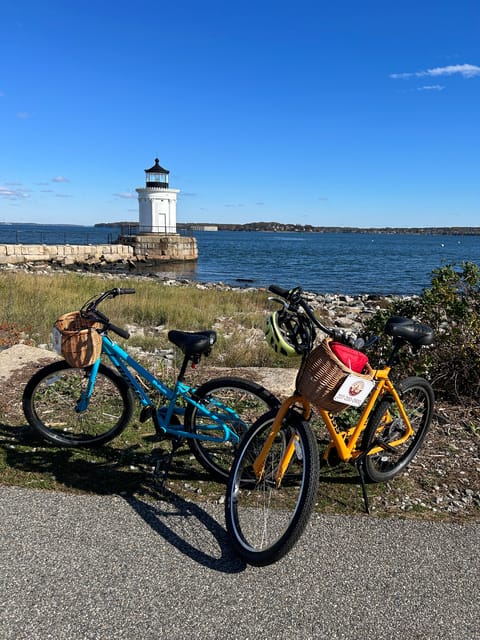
[{"x": 451, "y": 306}]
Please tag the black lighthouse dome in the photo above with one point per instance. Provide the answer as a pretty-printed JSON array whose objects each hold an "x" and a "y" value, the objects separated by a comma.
[{"x": 157, "y": 176}]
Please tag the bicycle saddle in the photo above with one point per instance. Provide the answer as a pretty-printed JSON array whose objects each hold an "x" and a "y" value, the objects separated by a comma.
[
  {"x": 418, "y": 334},
  {"x": 193, "y": 343}
]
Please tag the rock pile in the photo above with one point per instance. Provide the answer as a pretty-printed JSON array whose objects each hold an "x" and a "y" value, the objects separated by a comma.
[{"x": 343, "y": 311}]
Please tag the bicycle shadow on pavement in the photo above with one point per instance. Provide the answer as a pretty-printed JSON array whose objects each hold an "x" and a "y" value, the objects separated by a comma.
[
  {"x": 188, "y": 527},
  {"x": 183, "y": 524}
]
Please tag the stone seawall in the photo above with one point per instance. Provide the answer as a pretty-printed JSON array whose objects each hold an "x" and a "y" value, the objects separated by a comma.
[
  {"x": 163, "y": 248},
  {"x": 151, "y": 247},
  {"x": 64, "y": 254}
]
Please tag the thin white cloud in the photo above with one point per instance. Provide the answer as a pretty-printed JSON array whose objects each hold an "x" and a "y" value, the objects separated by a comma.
[
  {"x": 13, "y": 194},
  {"x": 60, "y": 179},
  {"x": 465, "y": 70},
  {"x": 431, "y": 87},
  {"x": 23, "y": 115},
  {"x": 125, "y": 195}
]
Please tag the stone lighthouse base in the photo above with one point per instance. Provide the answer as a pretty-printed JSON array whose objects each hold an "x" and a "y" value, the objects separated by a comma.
[{"x": 157, "y": 247}]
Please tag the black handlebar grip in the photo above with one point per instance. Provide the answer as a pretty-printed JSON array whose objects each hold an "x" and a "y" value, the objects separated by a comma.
[
  {"x": 125, "y": 291},
  {"x": 280, "y": 291},
  {"x": 123, "y": 333}
]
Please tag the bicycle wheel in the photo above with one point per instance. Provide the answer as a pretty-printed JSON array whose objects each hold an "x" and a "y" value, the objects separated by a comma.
[
  {"x": 238, "y": 403},
  {"x": 386, "y": 425},
  {"x": 51, "y": 396},
  {"x": 265, "y": 519}
]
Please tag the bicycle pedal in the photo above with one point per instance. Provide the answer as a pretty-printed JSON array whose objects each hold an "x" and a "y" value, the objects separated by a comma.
[
  {"x": 383, "y": 445},
  {"x": 146, "y": 414}
]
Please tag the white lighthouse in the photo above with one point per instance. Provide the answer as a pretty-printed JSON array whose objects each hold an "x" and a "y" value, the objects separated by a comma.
[
  {"x": 157, "y": 239},
  {"x": 157, "y": 203}
]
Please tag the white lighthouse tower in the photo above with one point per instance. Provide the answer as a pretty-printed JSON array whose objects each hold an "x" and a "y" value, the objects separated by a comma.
[
  {"x": 157, "y": 203},
  {"x": 157, "y": 238}
]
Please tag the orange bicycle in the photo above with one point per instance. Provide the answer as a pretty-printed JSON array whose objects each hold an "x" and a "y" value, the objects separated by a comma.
[{"x": 274, "y": 478}]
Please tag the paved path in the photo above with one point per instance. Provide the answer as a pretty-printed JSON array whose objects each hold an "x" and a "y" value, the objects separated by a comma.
[{"x": 95, "y": 567}]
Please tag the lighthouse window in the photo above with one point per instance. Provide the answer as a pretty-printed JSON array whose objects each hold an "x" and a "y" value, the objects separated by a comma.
[{"x": 157, "y": 177}]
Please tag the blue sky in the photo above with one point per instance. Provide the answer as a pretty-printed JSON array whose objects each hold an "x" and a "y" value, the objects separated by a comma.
[{"x": 343, "y": 113}]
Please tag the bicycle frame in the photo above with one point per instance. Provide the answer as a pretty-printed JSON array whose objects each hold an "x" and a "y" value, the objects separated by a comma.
[
  {"x": 345, "y": 442},
  {"x": 122, "y": 361}
]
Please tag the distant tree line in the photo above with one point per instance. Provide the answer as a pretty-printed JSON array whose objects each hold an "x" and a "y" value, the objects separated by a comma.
[{"x": 302, "y": 228}]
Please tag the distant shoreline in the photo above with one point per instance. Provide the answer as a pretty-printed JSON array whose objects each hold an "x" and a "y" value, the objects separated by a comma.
[{"x": 277, "y": 227}]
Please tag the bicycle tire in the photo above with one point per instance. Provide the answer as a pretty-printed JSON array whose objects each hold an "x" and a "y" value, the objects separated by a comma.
[
  {"x": 249, "y": 401},
  {"x": 50, "y": 397},
  {"x": 417, "y": 398},
  {"x": 265, "y": 521}
]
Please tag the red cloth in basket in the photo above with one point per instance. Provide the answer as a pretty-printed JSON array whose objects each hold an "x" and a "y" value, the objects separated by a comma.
[{"x": 351, "y": 358}]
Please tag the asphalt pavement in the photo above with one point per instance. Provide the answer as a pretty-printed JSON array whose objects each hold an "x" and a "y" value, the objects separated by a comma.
[{"x": 108, "y": 567}]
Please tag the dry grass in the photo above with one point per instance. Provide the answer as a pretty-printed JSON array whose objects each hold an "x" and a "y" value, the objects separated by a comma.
[{"x": 32, "y": 302}]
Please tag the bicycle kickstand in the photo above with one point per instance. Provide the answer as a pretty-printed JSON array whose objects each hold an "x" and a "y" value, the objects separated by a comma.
[
  {"x": 163, "y": 464},
  {"x": 361, "y": 473}
]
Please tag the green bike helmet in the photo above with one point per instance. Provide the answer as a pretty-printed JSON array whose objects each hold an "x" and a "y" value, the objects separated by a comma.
[{"x": 287, "y": 334}]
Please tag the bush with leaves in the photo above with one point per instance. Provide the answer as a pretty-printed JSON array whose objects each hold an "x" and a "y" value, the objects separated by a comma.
[{"x": 451, "y": 306}]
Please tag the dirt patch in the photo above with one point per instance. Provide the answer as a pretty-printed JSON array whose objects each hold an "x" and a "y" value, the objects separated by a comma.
[{"x": 21, "y": 355}]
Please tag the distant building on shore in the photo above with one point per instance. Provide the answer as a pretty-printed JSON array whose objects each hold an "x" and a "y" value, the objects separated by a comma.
[{"x": 203, "y": 227}]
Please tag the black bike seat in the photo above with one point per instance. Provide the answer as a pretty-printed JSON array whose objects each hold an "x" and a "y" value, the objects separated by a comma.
[
  {"x": 418, "y": 334},
  {"x": 193, "y": 343}
]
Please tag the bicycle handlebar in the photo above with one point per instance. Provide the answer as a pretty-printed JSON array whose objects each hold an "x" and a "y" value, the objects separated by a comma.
[
  {"x": 89, "y": 309},
  {"x": 295, "y": 301}
]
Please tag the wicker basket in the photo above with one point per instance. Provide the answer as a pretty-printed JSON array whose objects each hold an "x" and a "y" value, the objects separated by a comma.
[
  {"x": 81, "y": 342},
  {"x": 322, "y": 374}
]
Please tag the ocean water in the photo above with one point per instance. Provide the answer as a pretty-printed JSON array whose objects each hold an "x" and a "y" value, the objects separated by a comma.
[{"x": 348, "y": 263}]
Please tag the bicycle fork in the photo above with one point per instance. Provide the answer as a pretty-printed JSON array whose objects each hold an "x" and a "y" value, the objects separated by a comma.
[
  {"x": 290, "y": 449},
  {"x": 84, "y": 399}
]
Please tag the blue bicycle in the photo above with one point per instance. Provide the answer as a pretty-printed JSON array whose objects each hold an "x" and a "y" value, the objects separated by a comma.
[{"x": 80, "y": 401}]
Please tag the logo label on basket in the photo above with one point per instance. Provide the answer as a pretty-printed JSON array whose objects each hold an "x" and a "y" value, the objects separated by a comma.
[
  {"x": 354, "y": 390},
  {"x": 57, "y": 340}
]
